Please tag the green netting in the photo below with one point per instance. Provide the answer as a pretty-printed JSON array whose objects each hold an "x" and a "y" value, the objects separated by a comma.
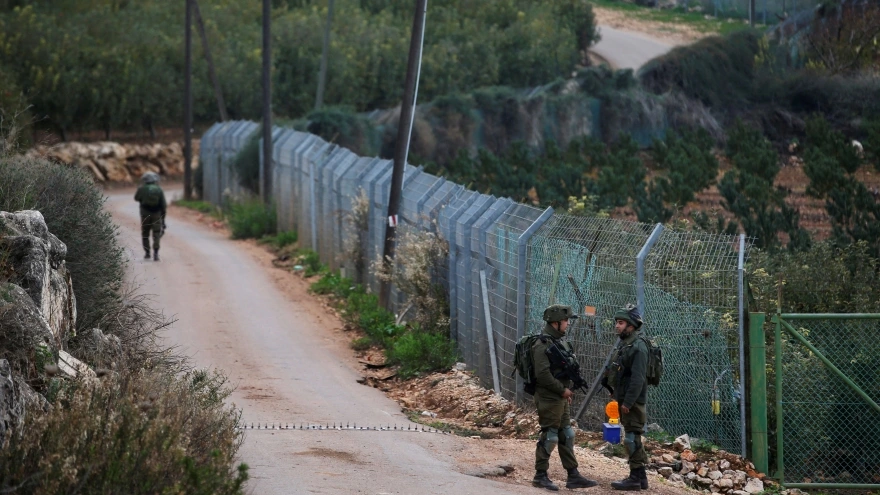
[{"x": 830, "y": 433}]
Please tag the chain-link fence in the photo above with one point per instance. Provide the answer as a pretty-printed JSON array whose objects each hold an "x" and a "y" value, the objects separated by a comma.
[
  {"x": 826, "y": 388},
  {"x": 766, "y": 11},
  {"x": 507, "y": 261}
]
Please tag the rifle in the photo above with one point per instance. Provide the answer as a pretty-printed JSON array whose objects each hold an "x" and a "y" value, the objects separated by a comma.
[{"x": 571, "y": 370}]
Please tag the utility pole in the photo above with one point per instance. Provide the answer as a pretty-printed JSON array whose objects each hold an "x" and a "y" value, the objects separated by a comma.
[
  {"x": 404, "y": 132},
  {"x": 752, "y": 13},
  {"x": 218, "y": 93},
  {"x": 266, "y": 176},
  {"x": 325, "y": 54},
  {"x": 187, "y": 105}
]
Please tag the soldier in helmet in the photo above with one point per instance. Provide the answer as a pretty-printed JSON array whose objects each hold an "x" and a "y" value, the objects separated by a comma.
[
  {"x": 153, "y": 206},
  {"x": 553, "y": 402},
  {"x": 627, "y": 374}
]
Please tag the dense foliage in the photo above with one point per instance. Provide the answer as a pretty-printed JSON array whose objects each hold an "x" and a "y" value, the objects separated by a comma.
[{"x": 110, "y": 64}]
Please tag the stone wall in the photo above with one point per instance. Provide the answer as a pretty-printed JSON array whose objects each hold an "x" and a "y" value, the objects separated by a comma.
[{"x": 110, "y": 162}]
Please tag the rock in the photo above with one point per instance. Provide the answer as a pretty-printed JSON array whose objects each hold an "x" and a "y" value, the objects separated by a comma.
[
  {"x": 682, "y": 443},
  {"x": 687, "y": 467},
  {"x": 739, "y": 492},
  {"x": 739, "y": 478},
  {"x": 701, "y": 481},
  {"x": 666, "y": 472},
  {"x": 687, "y": 455},
  {"x": 679, "y": 484},
  {"x": 754, "y": 486},
  {"x": 114, "y": 162},
  {"x": 702, "y": 471},
  {"x": 654, "y": 427},
  {"x": 460, "y": 367},
  {"x": 429, "y": 414},
  {"x": 668, "y": 458},
  {"x": 26, "y": 335},
  {"x": 724, "y": 484},
  {"x": 724, "y": 464},
  {"x": 73, "y": 367},
  {"x": 17, "y": 399},
  {"x": 715, "y": 475},
  {"x": 676, "y": 477},
  {"x": 37, "y": 260},
  {"x": 506, "y": 466}
]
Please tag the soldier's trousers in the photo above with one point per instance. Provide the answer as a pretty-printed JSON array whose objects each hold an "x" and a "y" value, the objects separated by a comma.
[
  {"x": 633, "y": 424},
  {"x": 554, "y": 417},
  {"x": 151, "y": 222}
]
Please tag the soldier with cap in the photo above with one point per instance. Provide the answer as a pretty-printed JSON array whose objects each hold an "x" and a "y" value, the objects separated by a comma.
[
  {"x": 152, "y": 209},
  {"x": 628, "y": 375},
  {"x": 553, "y": 402}
]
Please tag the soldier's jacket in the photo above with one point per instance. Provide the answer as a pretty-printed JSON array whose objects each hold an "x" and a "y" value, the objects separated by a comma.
[
  {"x": 627, "y": 370},
  {"x": 546, "y": 383}
]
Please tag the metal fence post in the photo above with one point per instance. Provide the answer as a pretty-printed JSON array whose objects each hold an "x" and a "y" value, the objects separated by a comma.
[
  {"x": 742, "y": 340},
  {"x": 777, "y": 363},
  {"x": 522, "y": 249},
  {"x": 490, "y": 335},
  {"x": 312, "y": 214},
  {"x": 758, "y": 390},
  {"x": 640, "y": 266}
]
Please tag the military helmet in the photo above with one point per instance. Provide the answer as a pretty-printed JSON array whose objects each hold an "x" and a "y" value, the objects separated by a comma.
[
  {"x": 150, "y": 178},
  {"x": 629, "y": 314},
  {"x": 558, "y": 312}
]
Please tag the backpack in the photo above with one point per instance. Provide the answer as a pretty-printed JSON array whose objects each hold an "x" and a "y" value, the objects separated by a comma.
[
  {"x": 655, "y": 361},
  {"x": 522, "y": 361},
  {"x": 151, "y": 196}
]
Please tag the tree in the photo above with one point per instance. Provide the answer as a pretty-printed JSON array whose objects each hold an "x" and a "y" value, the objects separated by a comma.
[
  {"x": 749, "y": 193},
  {"x": 831, "y": 161}
]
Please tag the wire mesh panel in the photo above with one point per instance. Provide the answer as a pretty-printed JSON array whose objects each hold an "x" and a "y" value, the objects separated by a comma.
[
  {"x": 337, "y": 216},
  {"x": 691, "y": 299},
  {"x": 372, "y": 185},
  {"x": 830, "y": 419},
  {"x": 585, "y": 262},
  {"x": 502, "y": 278},
  {"x": 209, "y": 161},
  {"x": 286, "y": 199},
  {"x": 350, "y": 187},
  {"x": 416, "y": 192}
]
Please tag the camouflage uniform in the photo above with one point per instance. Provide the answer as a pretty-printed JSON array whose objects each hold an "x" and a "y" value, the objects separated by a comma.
[
  {"x": 628, "y": 375},
  {"x": 554, "y": 415},
  {"x": 152, "y": 210}
]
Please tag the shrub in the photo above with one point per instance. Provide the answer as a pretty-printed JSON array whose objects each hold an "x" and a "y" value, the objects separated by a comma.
[
  {"x": 246, "y": 163},
  {"x": 251, "y": 219},
  {"x": 345, "y": 128},
  {"x": 73, "y": 209},
  {"x": 418, "y": 351},
  {"x": 142, "y": 433},
  {"x": 281, "y": 239},
  {"x": 198, "y": 205}
]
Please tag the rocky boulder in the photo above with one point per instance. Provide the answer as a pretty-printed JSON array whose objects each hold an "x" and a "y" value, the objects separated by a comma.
[
  {"x": 35, "y": 258},
  {"x": 119, "y": 163}
]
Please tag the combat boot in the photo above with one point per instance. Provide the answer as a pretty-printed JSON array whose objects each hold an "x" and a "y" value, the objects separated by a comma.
[
  {"x": 575, "y": 480},
  {"x": 542, "y": 481},
  {"x": 147, "y": 254},
  {"x": 630, "y": 483},
  {"x": 156, "y": 255},
  {"x": 643, "y": 477}
]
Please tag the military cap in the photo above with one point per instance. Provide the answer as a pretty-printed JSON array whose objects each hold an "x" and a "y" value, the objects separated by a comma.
[{"x": 558, "y": 312}]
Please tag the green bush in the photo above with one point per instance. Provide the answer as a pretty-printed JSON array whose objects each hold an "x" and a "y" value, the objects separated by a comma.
[
  {"x": 141, "y": 434},
  {"x": 251, "y": 219},
  {"x": 345, "y": 128},
  {"x": 281, "y": 239},
  {"x": 198, "y": 205},
  {"x": 74, "y": 211},
  {"x": 312, "y": 263},
  {"x": 416, "y": 352},
  {"x": 246, "y": 163}
]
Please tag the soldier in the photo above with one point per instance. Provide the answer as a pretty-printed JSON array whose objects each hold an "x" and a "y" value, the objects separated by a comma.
[
  {"x": 553, "y": 401},
  {"x": 627, "y": 373},
  {"x": 153, "y": 207}
]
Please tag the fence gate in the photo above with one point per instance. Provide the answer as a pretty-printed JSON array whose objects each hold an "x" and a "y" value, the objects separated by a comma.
[{"x": 826, "y": 389}]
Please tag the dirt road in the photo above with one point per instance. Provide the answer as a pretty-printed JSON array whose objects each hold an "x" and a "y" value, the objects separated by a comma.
[
  {"x": 291, "y": 363},
  {"x": 628, "y": 50}
]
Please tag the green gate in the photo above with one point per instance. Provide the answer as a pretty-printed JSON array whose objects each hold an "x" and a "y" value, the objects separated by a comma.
[{"x": 825, "y": 386}]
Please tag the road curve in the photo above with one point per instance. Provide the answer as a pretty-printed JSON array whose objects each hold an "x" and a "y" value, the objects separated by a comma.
[
  {"x": 626, "y": 49},
  {"x": 231, "y": 316}
]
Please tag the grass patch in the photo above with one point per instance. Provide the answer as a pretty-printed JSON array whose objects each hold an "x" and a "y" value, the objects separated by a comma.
[
  {"x": 414, "y": 350},
  {"x": 251, "y": 219},
  {"x": 200, "y": 206},
  {"x": 678, "y": 15},
  {"x": 281, "y": 240},
  {"x": 660, "y": 436}
]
